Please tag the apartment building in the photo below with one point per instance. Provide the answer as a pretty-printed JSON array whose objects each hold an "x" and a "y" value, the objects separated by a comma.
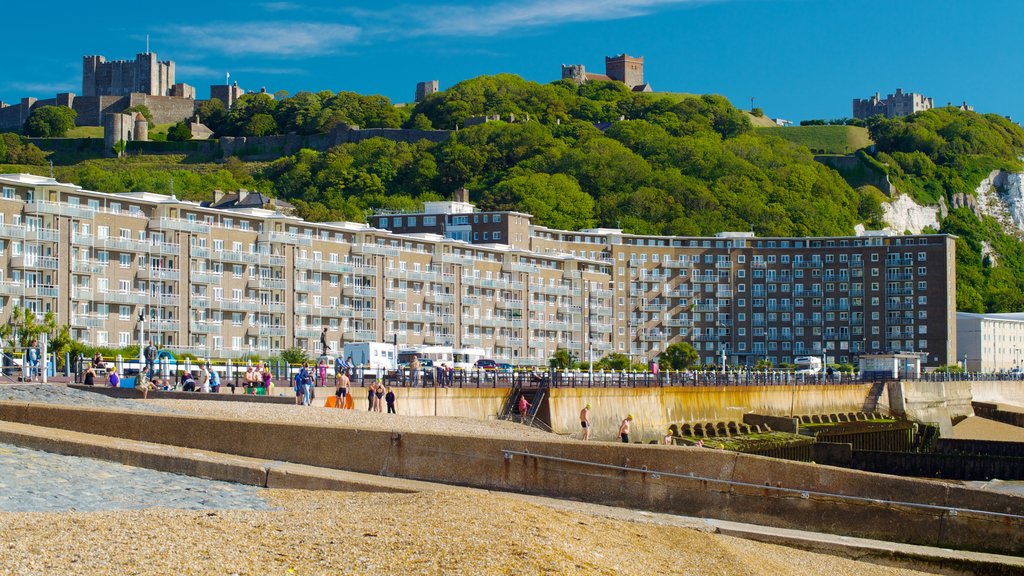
[
  {"x": 241, "y": 281},
  {"x": 753, "y": 298},
  {"x": 990, "y": 342},
  {"x": 231, "y": 282}
]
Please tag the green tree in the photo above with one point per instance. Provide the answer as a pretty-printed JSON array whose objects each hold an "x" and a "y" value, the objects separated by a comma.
[
  {"x": 50, "y": 122},
  {"x": 214, "y": 115},
  {"x": 678, "y": 356},
  {"x": 555, "y": 200},
  {"x": 180, "y": 132},
  {"x": 294, "y": 355},
  {"x": 260, "y": 125},
  {"x": 560, "y": 360},
  {"x": 614, "y": 361}
]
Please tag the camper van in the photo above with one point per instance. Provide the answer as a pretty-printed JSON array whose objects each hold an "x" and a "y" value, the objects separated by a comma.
[
  {"x": 435, "y": 354},
  {"x": 465, "y": 358},
  {"x": 373, "y": 355},
  {"x": 807, "y": 364}
]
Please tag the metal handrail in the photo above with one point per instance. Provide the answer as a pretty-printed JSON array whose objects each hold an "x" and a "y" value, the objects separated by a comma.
[{"x": 804, "y": 494}]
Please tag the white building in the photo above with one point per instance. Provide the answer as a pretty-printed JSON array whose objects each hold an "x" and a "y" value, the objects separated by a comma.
[{"x": 990, "y": 342}]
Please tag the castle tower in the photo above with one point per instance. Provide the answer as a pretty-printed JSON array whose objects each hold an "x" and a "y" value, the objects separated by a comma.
[
  {"x": 141, "y": 128},
  {"x": 626, "y": 69},
  {"x": 424, "y": 89},
  {"x": 575, "y": 72},
  {"x": 89, "y": 66}
]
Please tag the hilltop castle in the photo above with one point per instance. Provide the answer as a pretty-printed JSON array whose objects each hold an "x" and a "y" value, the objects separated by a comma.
[
  {"x": 622, "y": 68},
  {"x": 111, "y": 87},
  {"x": 899, "y": 104}
]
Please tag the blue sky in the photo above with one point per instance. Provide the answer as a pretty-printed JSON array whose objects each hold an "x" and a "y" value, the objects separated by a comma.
[{"x": 798, "y": 59}]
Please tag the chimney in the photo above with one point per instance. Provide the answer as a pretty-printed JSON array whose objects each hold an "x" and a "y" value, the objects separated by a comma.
[
  {"x": 242, "y": 195},
  {"x": 218, "y": 195},
  {"x": 462, "y": 195}
]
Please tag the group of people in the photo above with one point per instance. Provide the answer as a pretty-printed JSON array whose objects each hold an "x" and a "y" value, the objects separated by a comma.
[{"x": 377, "y": 395}]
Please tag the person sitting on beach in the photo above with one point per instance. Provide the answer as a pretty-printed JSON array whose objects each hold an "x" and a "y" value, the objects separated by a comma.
[{"x": 113, "y": 378}]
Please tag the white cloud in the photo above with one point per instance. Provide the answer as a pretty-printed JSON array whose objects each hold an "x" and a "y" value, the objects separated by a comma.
[
  {"x": 283, "y": 39},
  {"x": 488, "y": 20},
  {"x": 195, "y": 70},
  {"x": 45, "y": 89}
]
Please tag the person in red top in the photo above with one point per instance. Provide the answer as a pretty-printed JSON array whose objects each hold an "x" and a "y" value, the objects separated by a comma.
[{"x": 524, "y": 406}]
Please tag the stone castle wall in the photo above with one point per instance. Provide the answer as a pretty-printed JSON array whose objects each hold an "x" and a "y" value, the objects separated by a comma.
[{"x": 92, "y": 109}]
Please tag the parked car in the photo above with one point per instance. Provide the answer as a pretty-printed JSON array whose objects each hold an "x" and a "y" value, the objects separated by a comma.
[
  {"x": 486, "y": 364},
  {"x": 505, "y": 367}
]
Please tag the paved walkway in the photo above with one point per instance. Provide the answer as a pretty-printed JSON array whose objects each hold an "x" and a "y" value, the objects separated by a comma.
[
  {"x": 36, "y": 481},
  {"x": 61, "y": 394}
]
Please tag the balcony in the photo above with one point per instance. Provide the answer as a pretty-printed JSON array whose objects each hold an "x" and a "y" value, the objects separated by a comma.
[
  {"x": 396, "y": 294},
  {"x": 528, "y": 268},
  {"x": 88, "y": 267},
  {"x": 898, "y": 276},
  {"x": 268, "y": 330},
  {"x": 88, "y": 321},
  {"x": 200, "y": 302},
  {"x": 308, "y": 286},
  {"x": 654, "y": 337},
  {"x": 59, "y": 209},
  {"x": 900, "y": 291},
  {"x": 122, "y": 297},
  {"x": 197, "y": 327},
  {"x": 704, "y": 279},
  {"x": 239, "y": 305},
  {"x": 357, "y": 291},
  {"x": 179, "y": 225},
  {"x": 32, "y": 261},
  {"x": 705, "y": 308},
  {"x": 438, "y": 298},
  {"x": 899, "y": 261},
  {"x": 803, "y": 264},
  {"x": 238, "y": 257},
  {"x": 650, "y": 307},
  {"x": 265, "y": 283},
  {"x": 204, "y": 278},
  {"x": 155, "y": 325},
  {"x": 308, "y": 332},
  {"x": 199, "y": 252},
  {"x": 122, "y": 244},
  {"x": 375, "y": 249},
  {"x": 538, "y": 306},
  {"x": 509, "y": 304},
  {"x": 364, "y": 335},
  {"x": 679, "y": 323},
  {"x": 150, "y": 273},
  {"x": 9, "y": 231}
]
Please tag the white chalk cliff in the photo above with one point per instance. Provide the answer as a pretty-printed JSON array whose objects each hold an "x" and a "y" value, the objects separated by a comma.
[{"x": 903, "y": 214}]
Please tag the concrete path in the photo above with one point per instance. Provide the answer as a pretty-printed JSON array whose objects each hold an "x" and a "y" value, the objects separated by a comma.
[{"x": 257, "y": 472}]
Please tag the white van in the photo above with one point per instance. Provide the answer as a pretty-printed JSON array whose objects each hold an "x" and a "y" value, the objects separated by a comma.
[
  {"x": 373, "y": 355},
  {"x": 465, "y": 358}
]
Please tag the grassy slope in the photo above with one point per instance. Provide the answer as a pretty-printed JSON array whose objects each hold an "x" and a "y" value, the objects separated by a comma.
[{"x": 825, "y": 139}]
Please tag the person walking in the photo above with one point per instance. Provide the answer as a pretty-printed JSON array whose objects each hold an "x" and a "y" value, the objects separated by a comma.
[
  {"x": 307, "y": 384},
  {"x": 624, "y": 428},
  {"x": 150, "y": 355},
  {"x": 524, "y": 407},
  {"x": 214, "y": 382},
  {"x": 585, "y": 421},
  {"x": 414, "y": 369},
  {"x": 390, "y": 399}
]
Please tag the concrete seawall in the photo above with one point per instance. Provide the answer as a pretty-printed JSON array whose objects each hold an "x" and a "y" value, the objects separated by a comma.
[
  {"x": 657, "y": 480},
  {"x": 654, "y": 409}
]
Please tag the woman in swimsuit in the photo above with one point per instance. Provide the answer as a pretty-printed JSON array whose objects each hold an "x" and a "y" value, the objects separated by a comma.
[{"x": 378, "y": 402}]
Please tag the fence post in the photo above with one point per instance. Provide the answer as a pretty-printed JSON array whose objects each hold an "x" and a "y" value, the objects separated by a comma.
[{"x": 67, "y": 364}]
